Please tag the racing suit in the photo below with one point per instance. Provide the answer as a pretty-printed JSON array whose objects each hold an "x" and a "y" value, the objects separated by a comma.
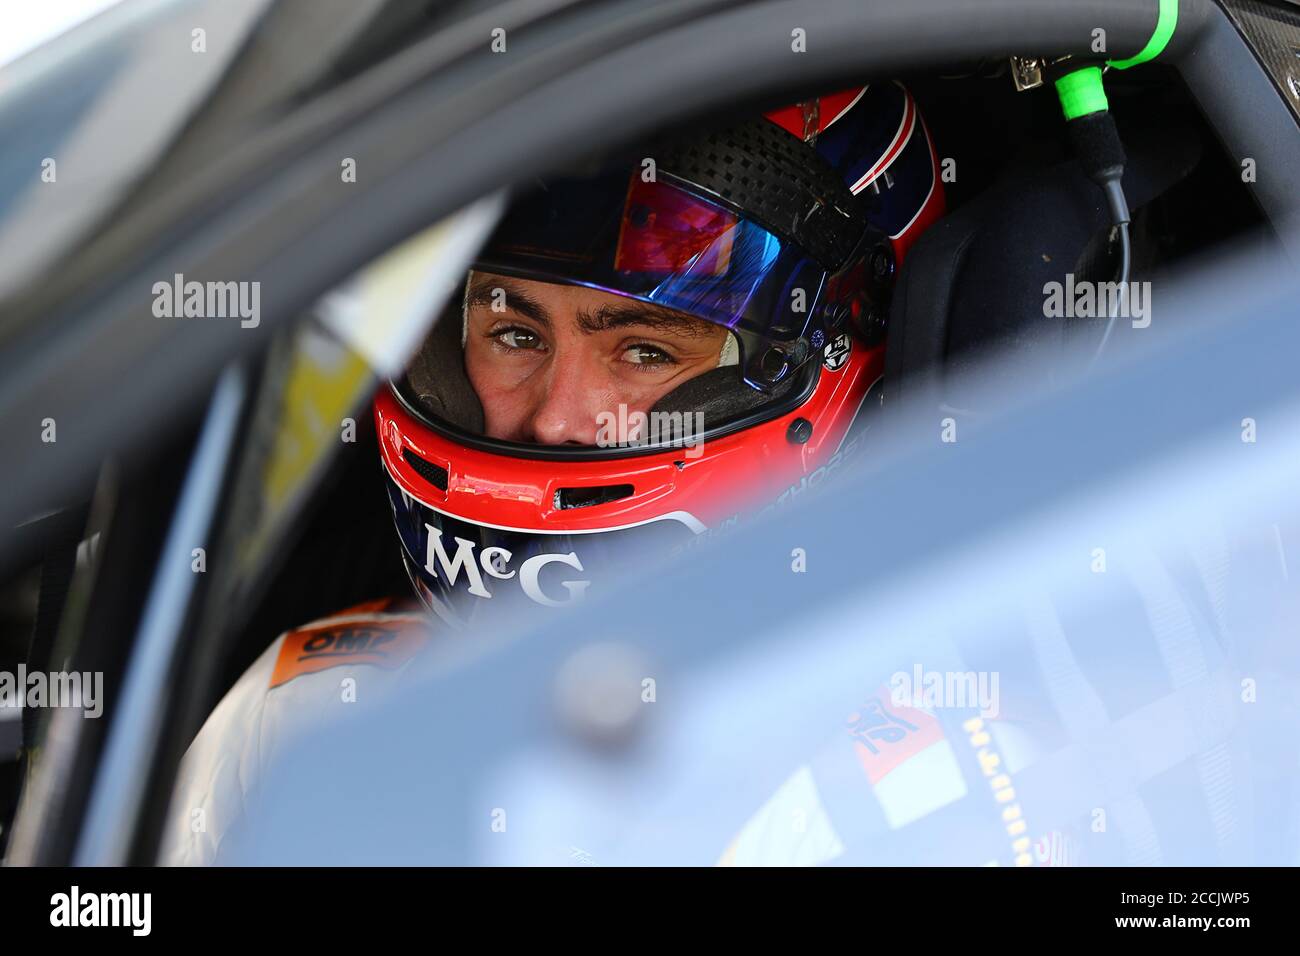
[
  {"x": 306, "y": 679},
  {"x": 308, "y": 676}
]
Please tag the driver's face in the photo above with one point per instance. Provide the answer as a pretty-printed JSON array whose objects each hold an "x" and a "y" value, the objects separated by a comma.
[{"x": 550, "y": 358}]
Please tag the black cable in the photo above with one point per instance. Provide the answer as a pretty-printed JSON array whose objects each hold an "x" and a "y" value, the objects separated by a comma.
[
  {"x": 1125, "y": 262},
  {"x": 1095, "y": 141}
]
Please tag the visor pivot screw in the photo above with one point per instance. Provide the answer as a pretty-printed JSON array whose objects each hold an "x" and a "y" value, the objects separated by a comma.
[
  {"x": 799, "y": 432},
  {"x": 874, "y": 324},
  {"x": 774, "y": 364},
  {"x": 818, "y": 339},
  {"x": 880, "y": 264}
]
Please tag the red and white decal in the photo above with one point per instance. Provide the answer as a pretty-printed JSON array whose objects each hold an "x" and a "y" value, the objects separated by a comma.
[{"x": 906, "y": 126}]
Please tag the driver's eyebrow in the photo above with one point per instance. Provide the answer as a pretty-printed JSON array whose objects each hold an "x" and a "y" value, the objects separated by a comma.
[
  {"x": 609, "y": 316},
  {"x": 662, "y": 320},
  {"x": 484, "y": 292}
]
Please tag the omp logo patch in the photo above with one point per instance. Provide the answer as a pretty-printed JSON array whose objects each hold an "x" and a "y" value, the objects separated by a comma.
[
  {"x": 348, "y": 642},
  {"x": 381, "y": 640}
]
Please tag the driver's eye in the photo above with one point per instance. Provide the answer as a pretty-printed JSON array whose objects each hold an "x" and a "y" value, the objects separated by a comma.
[
  {"x": 643, "y": 354},
  {"x": 517, "y": 337}
]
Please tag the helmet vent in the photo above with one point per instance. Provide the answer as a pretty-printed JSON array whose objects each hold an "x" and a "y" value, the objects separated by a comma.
[
  {"x": 426, "y": 469},
  {"x": 566, "y": 498}
]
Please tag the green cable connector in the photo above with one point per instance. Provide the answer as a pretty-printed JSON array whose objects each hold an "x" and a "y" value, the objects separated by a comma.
[
  {"x": 1159, "y": 39},
  {"x": 1082, "y": 93}
]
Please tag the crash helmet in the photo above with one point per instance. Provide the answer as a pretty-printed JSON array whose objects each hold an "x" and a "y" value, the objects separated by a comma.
[{"x": 771, "y": 241}]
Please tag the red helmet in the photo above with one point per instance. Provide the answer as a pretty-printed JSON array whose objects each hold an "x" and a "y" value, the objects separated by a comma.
[{"x": 783, "y": 231}]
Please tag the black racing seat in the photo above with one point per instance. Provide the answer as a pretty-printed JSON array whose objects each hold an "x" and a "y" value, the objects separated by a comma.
[{"x": 975, "y": 280}]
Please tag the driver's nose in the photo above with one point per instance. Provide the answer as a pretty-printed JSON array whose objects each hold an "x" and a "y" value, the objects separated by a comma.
[{"x": 575, "y": 393}]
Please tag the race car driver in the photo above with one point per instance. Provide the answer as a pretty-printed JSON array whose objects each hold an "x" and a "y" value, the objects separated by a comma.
[{"x": 641, "y": 354}]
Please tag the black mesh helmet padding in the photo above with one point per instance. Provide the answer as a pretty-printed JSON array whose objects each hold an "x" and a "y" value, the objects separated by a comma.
[
  {"x": 436, "y": 378},
  {"x": 775, "y": 179}
]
